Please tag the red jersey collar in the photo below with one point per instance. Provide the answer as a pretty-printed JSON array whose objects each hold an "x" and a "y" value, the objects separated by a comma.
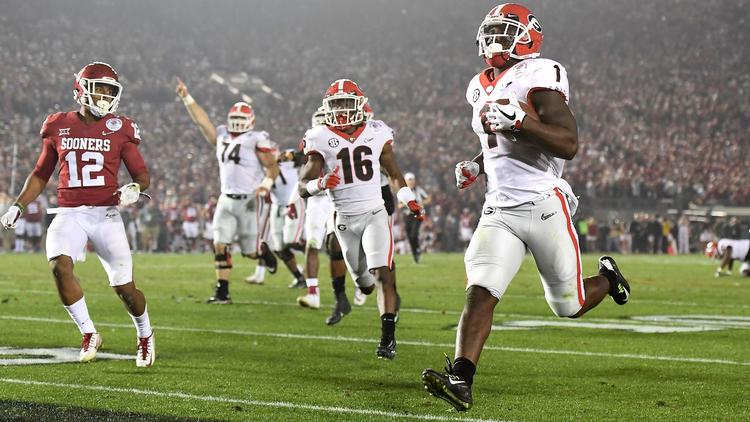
[
  {"x": 488, "y": 80},
  {"x": 351, "y": 138}
]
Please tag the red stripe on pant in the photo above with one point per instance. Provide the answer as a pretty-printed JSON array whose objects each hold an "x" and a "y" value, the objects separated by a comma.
[
  {"x": 390, "y": 250},
  {"x": 579, "y": 278}
]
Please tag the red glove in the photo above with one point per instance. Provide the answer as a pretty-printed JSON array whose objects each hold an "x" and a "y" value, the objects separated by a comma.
[
  {"x": 416, "y": 210},
  {"x": 329, "y": 180},
  {"x": 291, "y": 211}
]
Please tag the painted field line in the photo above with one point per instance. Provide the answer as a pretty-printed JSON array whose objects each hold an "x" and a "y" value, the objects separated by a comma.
[
  {"x": 448, "y": 346},
  {"x": 258, "y": 403}
]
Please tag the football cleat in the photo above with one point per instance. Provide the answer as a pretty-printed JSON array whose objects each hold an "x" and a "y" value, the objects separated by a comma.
[
  {"x": 298, "y": 283},
  {"x": 90, "y": 344},
  {"x": 253, "y": 279},
  {"x": 619, "y": 288},
  {"x": 145, "y": 351},
  {"x": 309, "y": 300},
  {"x": 448, "y": 386},
  {"x": 340, "y": 308},
  {"x": 220, "y": 299},
  {"x": 359, "y": 297},
  {"x": 272, "y": 264},
  {"x": 387, "y": 348}
]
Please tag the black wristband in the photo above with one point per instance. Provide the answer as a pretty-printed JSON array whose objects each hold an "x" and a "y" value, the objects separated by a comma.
[{"x": 20, "y": 207}]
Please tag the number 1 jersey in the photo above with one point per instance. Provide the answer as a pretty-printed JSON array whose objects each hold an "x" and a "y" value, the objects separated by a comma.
[
  {"x": 358, "y": 158},
  {"x": 89, "y": 155}
]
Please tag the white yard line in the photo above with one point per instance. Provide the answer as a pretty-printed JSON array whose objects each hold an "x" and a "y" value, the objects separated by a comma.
[
  {"x": 259, "y": 403},
  {"x": 448, "y": 346}
]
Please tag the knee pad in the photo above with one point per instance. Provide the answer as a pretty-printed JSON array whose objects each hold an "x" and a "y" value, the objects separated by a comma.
[
  {"x": 223, "y": 261},
  {"x": 285, "y": 254}
]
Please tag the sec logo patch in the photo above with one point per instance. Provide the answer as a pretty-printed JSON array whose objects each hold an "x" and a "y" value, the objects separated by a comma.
[
  {"x": 476, "y": 95},
  {"x": 333, "y": 142}
]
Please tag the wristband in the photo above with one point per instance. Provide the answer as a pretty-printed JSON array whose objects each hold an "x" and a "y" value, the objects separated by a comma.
[
  {"x": 267, "y": 183},
  {"x": 312, "y": 187},
  {"x": 405, "y": 195},
  {"x": 187, "y": 100},
  {"x": 20, "y": 207}
]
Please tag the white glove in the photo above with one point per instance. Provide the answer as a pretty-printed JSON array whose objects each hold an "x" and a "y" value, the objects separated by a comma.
[
  {"x": 9, "y": 219},
  {"x": 505, "y": 114},
  {"x": 129, "y": 194},
  {"x": 466, "y": 173}
]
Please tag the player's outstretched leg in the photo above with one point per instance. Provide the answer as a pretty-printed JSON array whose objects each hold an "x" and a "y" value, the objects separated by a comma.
[
  {"x": 290, "y": 261},
  {"x": 223, "y": 264},
  {"x": 135, "y": 303},
  {"x": 74, "y": 303},
  {"x": 454, "y": 385},
  {"x": 258, "y": 277},
  {"x": 387, "y": 347},
  {"x": 312, "y": 298},
  {"x": 341, "y": 306}
]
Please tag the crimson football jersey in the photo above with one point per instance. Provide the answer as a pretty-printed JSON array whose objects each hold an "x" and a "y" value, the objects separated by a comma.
[{"x": 89, "y": 155}]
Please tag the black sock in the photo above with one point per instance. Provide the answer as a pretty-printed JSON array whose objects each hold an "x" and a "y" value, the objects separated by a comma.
[
  {"x": 222, "y": 287},
  {"x": 464, "y": 369},
  {"x": 297, "y": 274},
  {"x": 339, "y": 285},
  {"x": 388, "y": 325}
]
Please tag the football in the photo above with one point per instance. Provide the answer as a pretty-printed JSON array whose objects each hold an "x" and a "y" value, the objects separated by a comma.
[{"x": 528, "y": 108}]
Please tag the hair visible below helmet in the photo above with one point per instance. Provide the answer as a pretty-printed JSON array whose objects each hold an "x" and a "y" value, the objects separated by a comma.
[
  {"x": 517, "y": 27},
  {"x": 84, "y": 88},
  {"x": 319, "y": 117},
  {"x": 240, "y": 118},
  {"x": 344, "y": 104}
]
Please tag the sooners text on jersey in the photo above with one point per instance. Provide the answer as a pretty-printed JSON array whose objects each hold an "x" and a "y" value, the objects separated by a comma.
[
  {"x": 89, "y": 155},
  {"x": 358, "y": 158}
]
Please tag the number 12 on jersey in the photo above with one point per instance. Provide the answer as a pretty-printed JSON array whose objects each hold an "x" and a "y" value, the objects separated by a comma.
[{"x": 359, "y": 160}]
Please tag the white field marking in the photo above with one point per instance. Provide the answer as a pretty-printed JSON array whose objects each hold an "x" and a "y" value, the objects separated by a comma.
[
  {"x": 405, "y": 342},
  {"x": 258, "y": 403},
  {"x": 719, "y": 321},
  {"x": 46, "y": 356},
  {"x": 636, "y": 328}
]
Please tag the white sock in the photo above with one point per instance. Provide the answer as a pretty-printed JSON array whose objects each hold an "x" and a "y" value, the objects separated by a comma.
[
  {"x": 260, "y": 272},
  {"x": 312, "y": 282},
  {"x": 142, "y": 324},
  {"x": 80, "y": 314}
]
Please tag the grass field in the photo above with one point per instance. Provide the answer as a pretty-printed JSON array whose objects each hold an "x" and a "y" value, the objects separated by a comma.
[{"x": 264, "y": 358}]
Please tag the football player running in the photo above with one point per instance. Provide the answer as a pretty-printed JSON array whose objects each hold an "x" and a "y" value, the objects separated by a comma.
[
  {"x": 90, "y": 144},
  {"x": 344, "y": 157},
  {"x": 527, "y": 203},
  {"x": 243, "y": 208}
]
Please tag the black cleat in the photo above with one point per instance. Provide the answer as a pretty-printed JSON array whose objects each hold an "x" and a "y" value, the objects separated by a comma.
[
  {"x": 340, "y": 308},
  {"x": 448, "y": 387},
  {"x": 619, "y": 288},
  {"x": 299, "y": 283},
  {"x": 272, "y": 264},
  {"x": 220, "y": 300},
  {"x": 387, "y": 348}
]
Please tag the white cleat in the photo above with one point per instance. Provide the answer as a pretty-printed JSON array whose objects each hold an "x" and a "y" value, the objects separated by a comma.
[
  {"x": 309, "y": 300},
  {"x": 359, "y": 297},
  {"x": 146, "y": 351},
  {"x": 252, "y": 279},
  {"x": 89, "y": 346}
]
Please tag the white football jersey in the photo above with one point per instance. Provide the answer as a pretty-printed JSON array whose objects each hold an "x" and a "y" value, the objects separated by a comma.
[
  {"x": 240, "y": 169},
  {"x": 740, "y": 247},
  {"x": 517, "y": 172},
  {"x": 358, "y": 158},
  {"x": 285, "y": 183}
]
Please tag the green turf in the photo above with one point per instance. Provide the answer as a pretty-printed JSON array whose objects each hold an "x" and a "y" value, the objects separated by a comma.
[{"x": 272, "y": 351}]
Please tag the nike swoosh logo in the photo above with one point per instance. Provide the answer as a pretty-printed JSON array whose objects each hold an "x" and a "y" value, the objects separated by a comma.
[
  {"x": 544, "y": 217},
  {"x": 376, "y": 211},
  {"x": 450, "y": 380},
  {"x": 509, "y": 117}
]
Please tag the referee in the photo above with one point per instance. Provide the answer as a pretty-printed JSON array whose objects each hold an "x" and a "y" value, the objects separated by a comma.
[{"x": 412, "y": 224}]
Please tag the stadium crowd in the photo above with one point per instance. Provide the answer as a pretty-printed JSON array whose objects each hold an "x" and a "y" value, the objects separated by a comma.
[{"x": 661, "y": 101}]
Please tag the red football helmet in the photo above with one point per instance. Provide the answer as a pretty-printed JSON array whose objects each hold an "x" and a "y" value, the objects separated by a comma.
[
  {"x": 241, "y": 118},
  {"x": 319, "y": 117},
  {"x": 712, "y": 250},
  {"x": 84, "y": 88},
  {"x": 344, "y": 104},
  {"x": 509, "y": 31}
]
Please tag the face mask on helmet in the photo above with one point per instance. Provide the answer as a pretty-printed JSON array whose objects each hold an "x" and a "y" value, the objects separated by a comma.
[
  {"x": 241, "y": 118},
  {"x": 344, "y": 110},
  {"x": 96, "y": 87},
  {"x": 509, "y": 31}
]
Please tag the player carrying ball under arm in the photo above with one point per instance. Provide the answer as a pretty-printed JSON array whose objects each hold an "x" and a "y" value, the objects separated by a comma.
[
  {"x": 527, "y": 203},
  {"x": 344, "y": 157},
  {"x": 243, "y": 208},
  {"x": 89, "y": 145}
]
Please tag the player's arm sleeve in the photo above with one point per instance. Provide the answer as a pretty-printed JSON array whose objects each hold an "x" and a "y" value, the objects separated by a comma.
[
  {"x": 309, "y": 147},
  {"x": 549, "y": 75},
  {"x": 47, "y": 161},
  {"x": 133, "y": 160}
]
